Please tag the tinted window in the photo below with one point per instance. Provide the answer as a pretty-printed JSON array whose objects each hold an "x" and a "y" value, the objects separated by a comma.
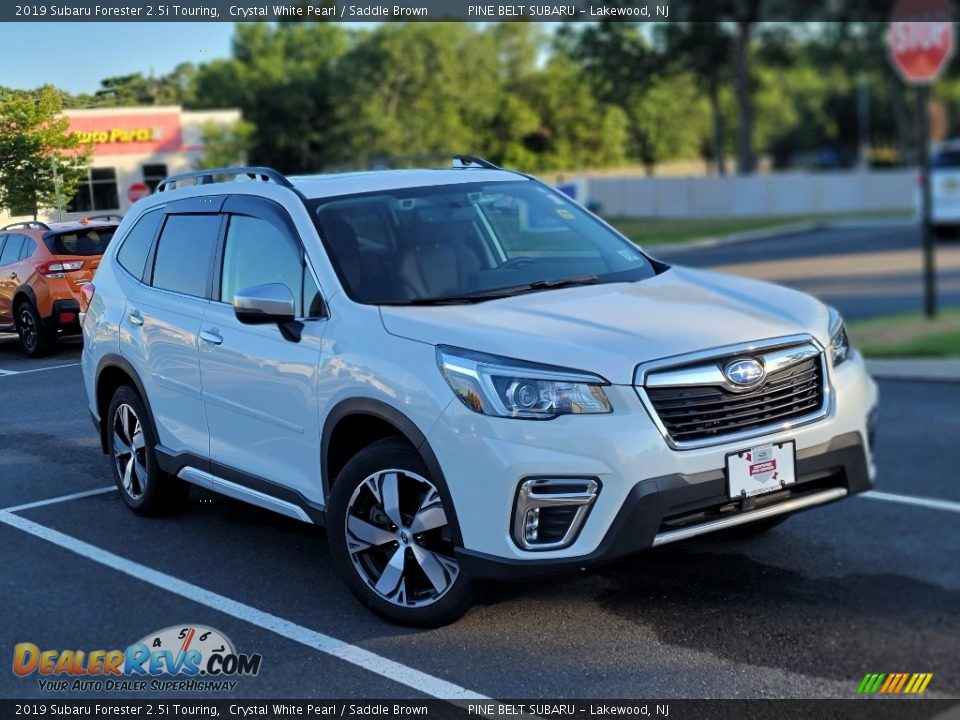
[
  {"x": 91, "y": 241},
  {"x": 256, "y": 253},
  {"x": 28, "y": 247},
  {"x": 947, "y": 159},
  {"x": 184, "y": 253},
  {"x": 136, "y": 245},
  {"x": 11, "y": 249}
]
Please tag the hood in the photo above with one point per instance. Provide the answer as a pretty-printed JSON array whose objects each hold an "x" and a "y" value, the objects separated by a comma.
[{"x": 609, "y": 329}]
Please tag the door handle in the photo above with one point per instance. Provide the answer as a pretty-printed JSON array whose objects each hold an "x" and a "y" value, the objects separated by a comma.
[
  {"x": 136, "y": 318},
  {"x": 211, "y": 337}
]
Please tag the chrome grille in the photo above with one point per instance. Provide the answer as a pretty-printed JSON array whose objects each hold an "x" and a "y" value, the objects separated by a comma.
[{"x": 697, "y": 406}]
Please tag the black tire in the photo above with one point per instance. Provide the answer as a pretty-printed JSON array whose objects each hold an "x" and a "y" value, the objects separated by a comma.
[
  {"x": 413, "y": 599},
  {"x": 35, "y": 340},
  {"x": 130, "y": 443},
  {"x": 753, "y": 529}
]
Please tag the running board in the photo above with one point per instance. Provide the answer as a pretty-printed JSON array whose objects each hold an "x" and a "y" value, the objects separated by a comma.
[
  {"x": 245, "y": 494},
  {"x": 786, "y": 506}
]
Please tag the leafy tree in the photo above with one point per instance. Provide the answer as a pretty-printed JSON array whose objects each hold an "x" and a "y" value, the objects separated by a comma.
[
  {"x": 41, "y": 163},
  {"x": 225, "y": 145},
  {"x": 281, "y": 77},
  {"x": 415, "y": 89},
  {"x": 704, "y": 49}
]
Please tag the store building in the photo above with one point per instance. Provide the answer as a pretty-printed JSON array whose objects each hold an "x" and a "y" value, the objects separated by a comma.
[{"x": 133, "y": 150}]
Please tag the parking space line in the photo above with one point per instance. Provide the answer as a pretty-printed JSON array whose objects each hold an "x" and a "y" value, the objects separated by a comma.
[
  {"x": 390, "y": 669},
  {"x": 932, "y": 503},
  {"x": 60, "y": 499},
  {"x": 33, "y": 370}
]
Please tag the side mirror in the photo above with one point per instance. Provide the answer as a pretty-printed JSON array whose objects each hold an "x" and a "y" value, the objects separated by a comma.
[{"x": 262, "y": 304}]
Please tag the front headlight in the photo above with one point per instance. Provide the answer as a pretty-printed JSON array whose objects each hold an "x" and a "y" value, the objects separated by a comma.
[
  {"x": 839, "y": 342},
  {"x": 503, "y": 387}
]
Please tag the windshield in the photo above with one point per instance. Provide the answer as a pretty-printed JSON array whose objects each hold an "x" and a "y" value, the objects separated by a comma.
[
  {"x": 469, "y": 242},
  {"x": 92, "y": 241}
]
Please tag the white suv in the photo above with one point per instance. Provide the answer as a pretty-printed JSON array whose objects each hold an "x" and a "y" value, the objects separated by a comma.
[{"x": 459, "y": 372}]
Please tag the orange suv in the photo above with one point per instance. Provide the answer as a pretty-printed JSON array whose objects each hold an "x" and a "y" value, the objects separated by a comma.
[{"x": 42, "y": 268}]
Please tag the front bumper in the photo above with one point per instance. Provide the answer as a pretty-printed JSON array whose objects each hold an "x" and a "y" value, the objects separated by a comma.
[
  {"x": 676, "y": 507},
  {"x": 648, "y": 490}
]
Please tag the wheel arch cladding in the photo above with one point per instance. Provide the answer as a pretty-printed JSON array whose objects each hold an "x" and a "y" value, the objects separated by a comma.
[
  {"x": 356, "y": 423},
  {"x": 112, "y": 372}
]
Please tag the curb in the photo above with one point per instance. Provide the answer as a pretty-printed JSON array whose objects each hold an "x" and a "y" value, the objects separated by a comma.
[
  {"x": 947, "y": 370},
  {"x": 773, "y": 232}
]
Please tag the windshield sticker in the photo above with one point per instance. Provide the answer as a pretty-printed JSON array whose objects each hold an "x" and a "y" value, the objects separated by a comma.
[
  {"x": 564, "y": 213},
  {"x": 628, "y": 255}
]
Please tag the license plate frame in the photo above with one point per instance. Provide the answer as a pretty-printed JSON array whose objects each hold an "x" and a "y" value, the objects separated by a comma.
[{"x": 761, "y": 469}]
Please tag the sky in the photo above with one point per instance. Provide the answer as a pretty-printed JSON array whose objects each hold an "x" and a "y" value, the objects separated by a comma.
[{"x": 76, "y": 56}]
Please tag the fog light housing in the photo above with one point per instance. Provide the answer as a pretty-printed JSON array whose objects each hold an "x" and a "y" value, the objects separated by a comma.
[{"x": 549, "y": 512}]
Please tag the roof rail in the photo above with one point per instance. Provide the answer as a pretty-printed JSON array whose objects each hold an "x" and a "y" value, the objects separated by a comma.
[
  {"x": 207, "y": 177},
  {"x": 105, "y": 216},
  {"x": 32, "y": 224},
  {"x": 467, "y": 161}
]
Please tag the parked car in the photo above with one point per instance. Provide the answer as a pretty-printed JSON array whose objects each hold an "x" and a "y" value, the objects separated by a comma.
[
  {"x": 461, "y": 373},
  {"x": 42, "y": 268},
  {"x": 944, "y": 189}
]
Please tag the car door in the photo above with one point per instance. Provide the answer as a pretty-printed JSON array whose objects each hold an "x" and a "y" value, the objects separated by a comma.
[
  {"x": 260, "y": 386},
  {"x": 160, "y": 328}
]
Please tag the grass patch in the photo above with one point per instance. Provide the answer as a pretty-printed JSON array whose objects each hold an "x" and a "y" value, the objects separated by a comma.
[
  {"x": 659, "y": 231},
  {"x": 909, "y": 335}
]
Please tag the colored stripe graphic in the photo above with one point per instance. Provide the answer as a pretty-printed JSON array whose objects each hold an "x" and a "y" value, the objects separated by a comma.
[
  {"x": 894, "y": 683},
  {"x": 871, "y": 682}
]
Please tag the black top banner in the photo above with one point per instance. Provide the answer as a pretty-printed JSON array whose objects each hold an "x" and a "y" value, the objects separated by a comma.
[{"x": 233, "y": 11}]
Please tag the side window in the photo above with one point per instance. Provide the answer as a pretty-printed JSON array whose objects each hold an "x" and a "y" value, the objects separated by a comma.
[
  {"x": 184, "y": 253},
  {"x": 256, "y": 252},
  {"x": 11, "y": 249},
  {"x": 28, "y": 247},
  {"x": 132, "y": 255},
  {"x": 3, "y": 239}
]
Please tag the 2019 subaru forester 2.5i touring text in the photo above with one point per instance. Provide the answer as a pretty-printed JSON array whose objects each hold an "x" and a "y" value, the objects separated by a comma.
[{"x": 461, "y": 373}]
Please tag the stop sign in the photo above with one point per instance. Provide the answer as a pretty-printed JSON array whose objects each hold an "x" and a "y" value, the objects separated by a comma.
[
  {"x": 921, "y": 40},
  {"x": 137, "y": 191}
]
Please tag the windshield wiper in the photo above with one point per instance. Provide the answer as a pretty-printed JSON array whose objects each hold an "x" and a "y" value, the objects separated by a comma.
[{"x": 499, "y": 292}]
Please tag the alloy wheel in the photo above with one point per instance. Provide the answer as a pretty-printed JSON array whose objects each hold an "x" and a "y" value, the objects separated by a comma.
[
  {"x": 28, "y": 330},
  {"x": 399, "y": 540},
  {"x": 129, "y": 451}
]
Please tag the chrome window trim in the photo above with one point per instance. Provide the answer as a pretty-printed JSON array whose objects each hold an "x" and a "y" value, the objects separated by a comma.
[{"x": 644, "y": 372}]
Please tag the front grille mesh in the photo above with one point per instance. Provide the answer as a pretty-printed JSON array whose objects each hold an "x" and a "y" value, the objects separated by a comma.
[{"x": 708, "y": 412}]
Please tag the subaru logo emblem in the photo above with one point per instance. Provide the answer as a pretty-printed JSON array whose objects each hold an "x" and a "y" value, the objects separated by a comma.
[{"x": 744, "y": 373}]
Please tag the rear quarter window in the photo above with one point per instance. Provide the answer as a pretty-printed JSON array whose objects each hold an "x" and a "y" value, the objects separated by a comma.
[{"x": 135, "y": 247}]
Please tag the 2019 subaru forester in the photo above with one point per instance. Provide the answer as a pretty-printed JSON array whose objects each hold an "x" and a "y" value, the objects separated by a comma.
[{"x": 461, "y": 373}]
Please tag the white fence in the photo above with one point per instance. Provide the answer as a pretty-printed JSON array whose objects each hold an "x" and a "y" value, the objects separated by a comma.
[{"x": 732, "y": 196}]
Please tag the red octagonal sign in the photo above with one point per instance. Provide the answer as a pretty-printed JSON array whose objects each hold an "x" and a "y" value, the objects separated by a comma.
[{"x": 921, "y": 39}]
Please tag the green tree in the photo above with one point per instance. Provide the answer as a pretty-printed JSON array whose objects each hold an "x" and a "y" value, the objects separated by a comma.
[
  {"x": 41, "y": 163},
  {"x": 225, "y": 145},
  {"x": 281, "y": 77},
  {"x": 407, "y": 90},
  {"x": 704, "y": 49}
]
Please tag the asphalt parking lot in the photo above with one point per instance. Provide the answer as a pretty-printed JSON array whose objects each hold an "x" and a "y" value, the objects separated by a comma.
[{"x": 871, "y": 584}]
